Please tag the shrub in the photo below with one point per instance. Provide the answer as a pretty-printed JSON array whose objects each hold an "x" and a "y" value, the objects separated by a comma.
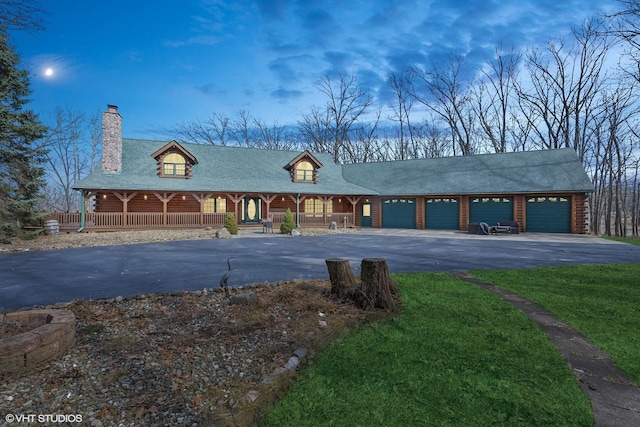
[
  {"x": 288, "y": 223},
  {"x": 8, "y": 229},
  {"x": 230, "y": 223}
]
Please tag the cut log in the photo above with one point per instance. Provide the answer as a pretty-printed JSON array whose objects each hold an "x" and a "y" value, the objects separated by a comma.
[
  {"x": 341, "y": 276},
  {"x": 378, "y": 290}
]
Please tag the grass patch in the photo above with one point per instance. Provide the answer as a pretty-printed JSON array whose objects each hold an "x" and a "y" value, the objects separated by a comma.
[
  {"x": 455, "y": 355},
  {"x": 601, "y": 301},
  {"x": 630, "y": 240}
]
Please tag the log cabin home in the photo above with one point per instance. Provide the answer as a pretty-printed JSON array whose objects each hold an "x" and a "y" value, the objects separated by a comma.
[{"x": 145, "y": 184}]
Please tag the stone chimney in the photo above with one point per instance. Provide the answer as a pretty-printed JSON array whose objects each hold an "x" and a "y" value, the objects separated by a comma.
[{"x": 111, "y": 140}]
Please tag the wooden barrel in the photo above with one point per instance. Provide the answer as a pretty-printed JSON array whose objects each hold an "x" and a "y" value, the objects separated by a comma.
[{"x": 51, "y": 227}]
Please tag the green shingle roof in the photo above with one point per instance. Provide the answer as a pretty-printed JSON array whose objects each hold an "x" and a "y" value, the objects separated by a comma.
[
  {"x": 220, "y": 169},
  {"x": 547, "y": 171},
  {"x": 250, "y": 170}
]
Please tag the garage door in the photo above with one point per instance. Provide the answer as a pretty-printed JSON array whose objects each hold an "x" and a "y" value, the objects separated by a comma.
[
  {"x": 398, "y": 213},
  {"x": 442, "y": 213},
  {"x": 491, "y": 210},
  {"x": 549, "y": 214}
]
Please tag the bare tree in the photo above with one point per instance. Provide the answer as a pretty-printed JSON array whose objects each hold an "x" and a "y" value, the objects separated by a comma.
[
  {"x": 612, "y": 155},
  {"x": 561, "y": 96},
  {"x": 315, "y": 130},
  {"x": 21, "y": 15},
  {"x": 493, "y": 97},
  {"x": 446, "y": 93},
  {"x": 346, "y": 103},
  {"x": 635, "y": 197},
  {"x": 273, "y": 137},
  {"x": 401, "y": 107},
  {"x": 364, "y": 145},
  {"x": 214, "y": 130},
  {"x": 625, "y": 27},
  {"x": 242, "y": 130},
  {"x": 95, "y": 133},
  {"x": 69, "y": 158}
]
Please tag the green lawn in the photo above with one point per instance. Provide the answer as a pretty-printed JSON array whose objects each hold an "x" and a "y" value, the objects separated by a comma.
[
  {"x": 455, "y": 355},
  {"x": 631, "y": 240},
  {"x": 601, "y": 301}
]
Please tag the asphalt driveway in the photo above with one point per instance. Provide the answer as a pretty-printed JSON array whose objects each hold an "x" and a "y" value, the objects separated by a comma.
[{"x": 47, "y": 277}]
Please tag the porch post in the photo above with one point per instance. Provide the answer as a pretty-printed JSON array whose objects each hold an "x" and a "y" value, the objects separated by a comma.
[
  {"x": 201, "y": 198},
  {"x": 267, "y": 200},
  {"x": 83, "y": 206},
  {"x": 354, "y": 201},
  {"x": 325, "y": 200},
  {"x": 165, "y": 199},
  {"x": 124, "y": 198},
  {"x": 236, "y": 198}
]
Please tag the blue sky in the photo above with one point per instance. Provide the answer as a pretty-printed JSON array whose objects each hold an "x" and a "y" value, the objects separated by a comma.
[{"x": 165, "y": 62}]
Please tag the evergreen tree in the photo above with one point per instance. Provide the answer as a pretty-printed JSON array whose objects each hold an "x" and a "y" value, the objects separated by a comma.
[
  {"x": 230, "y": 223},
  {"x": 21, "y": 160},
  {"x": 288, "y": 223}
]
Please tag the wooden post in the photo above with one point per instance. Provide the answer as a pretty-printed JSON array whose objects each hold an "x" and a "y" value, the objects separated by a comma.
[
  {"x": 378, "y": 290},
  {"x": 341, "y": 276}
]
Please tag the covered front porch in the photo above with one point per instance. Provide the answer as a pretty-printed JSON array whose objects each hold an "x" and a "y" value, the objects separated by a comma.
[{"x": 115, "y": 210}]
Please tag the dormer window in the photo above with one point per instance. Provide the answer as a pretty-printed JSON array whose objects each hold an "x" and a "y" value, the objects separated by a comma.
[
  {"x": 174, "y": 165},
  {"x": 304, "y": 172},
  {"x": 174, "y": 161},
  {"x": 304, "y": 168}
]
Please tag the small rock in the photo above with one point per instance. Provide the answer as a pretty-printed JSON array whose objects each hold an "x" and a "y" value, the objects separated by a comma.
[
  {"x": 252, "y": 396},
  {"x": 333, "y": 226},
  {"x": 223, "y": 233},
  {"x": 300, "y": 352},
  {"x": 295, "y": 232},
  {"x": 292, "y": 363}
]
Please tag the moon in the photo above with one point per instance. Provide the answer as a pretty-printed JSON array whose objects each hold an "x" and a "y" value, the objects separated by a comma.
[{"x": 48, "y": 72}]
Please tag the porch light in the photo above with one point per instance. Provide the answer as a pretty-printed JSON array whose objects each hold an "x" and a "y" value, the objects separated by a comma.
[
  {"x": 145, "y": 197},
  {"x": 283, "y": 198},
  {"x": 184, "y": 197},
  {"x": 104, "y": 196}
]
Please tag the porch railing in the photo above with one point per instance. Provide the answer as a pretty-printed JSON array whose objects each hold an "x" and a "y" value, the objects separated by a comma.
[
  {"x": 316, "y": 219},
  {"x": 116, "y": 220}
]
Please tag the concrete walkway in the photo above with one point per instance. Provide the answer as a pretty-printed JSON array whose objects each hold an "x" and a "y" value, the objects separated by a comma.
[{"x": 615, "y": 398}]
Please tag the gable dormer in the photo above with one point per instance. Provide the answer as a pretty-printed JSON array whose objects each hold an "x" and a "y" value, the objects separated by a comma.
[
  {"x": 304, "y": 168},
  {"x": 174, "y": 161}
]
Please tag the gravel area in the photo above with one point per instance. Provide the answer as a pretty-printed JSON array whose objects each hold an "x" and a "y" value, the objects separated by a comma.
[
  {"x": 73, "y": 239},
  {"x": 188, "y": 358}
]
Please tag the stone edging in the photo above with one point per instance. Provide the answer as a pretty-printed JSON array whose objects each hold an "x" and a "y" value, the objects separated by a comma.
[{"x": 53, "y": 335}]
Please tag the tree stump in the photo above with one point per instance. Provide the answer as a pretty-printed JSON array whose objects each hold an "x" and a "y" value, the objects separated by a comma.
[
  {"x": 378, "y": 290},
  {"x": 341, "y": 276}
]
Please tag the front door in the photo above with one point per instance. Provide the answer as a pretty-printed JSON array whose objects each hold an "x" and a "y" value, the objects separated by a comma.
[
  {"x": 366, "y": 215},
  {"x": 251, "y": 210}
]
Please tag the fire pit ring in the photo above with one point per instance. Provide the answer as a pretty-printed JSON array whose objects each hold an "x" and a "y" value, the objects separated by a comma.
[{"x": 52, "y": 333}]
